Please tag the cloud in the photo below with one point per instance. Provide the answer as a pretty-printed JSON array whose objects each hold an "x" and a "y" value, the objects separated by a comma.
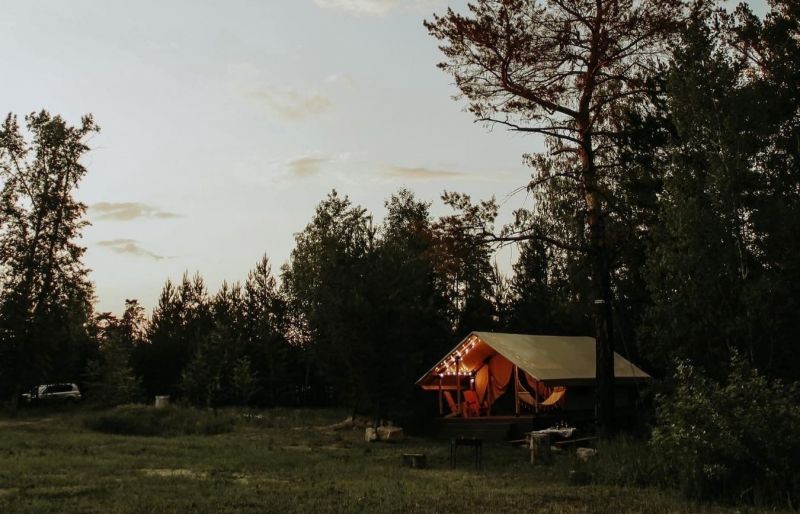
[
  {"x": 422, "y": 173},
  {"x": 340, "y": 78},
  {"x": 291, "y": 104},
  {"x": 372, "y": 7},
  {"x": 129, "y": 247},
  {"x": 306, "y": 166},
  {"x": 312, "y": 164},
  {"x": 126, "y": 211}
]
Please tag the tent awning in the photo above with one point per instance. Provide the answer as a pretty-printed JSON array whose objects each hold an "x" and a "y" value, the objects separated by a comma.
[{"x": 554, "y": 360}]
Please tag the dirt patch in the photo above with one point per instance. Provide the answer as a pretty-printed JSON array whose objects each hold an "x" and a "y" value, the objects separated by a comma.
[
  {"x": 178, "y": 472},
  {"x": 243, "y": 479}
]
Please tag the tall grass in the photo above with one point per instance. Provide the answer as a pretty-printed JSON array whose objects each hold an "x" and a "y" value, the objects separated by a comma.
[
  {"x": 53, "y": 464},
  {"x": 148, "y": 421},
  {"x": 625, "y": 462}
]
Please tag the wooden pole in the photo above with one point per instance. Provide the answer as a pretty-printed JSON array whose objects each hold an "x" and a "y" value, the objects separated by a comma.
[
  {"x": 516, "y": 390},
  {"x": 458, "y": 379},
  {"x": 489, "y": 399},
  {"x": 441, "y": 405}
]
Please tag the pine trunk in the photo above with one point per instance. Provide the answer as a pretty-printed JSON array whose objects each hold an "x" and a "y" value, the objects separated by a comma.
[
  {"x": 600, "y": 286},
  {"x": 602, "y": 317}
]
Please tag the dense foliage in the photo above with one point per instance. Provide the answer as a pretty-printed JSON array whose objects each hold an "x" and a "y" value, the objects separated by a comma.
[
  {"x": 735, "y": 440},
  {"x": 45, "y": 294}
]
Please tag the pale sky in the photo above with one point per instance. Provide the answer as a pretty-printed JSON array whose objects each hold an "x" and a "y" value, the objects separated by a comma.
[{"x": 225, "y": 123}]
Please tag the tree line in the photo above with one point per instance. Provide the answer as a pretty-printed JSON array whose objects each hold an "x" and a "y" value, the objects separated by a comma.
[{"x": 665, "y": 222}]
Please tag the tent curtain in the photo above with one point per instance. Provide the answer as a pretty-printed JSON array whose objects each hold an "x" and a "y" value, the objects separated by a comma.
[
  {"x": 501, "y": 370},
  {"x": 482, "y": 383},
  {"x": 542, "y": 391}
]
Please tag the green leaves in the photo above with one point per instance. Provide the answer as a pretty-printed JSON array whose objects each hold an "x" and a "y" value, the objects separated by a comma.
[
  {"x": 45, "y": 294},
  {"x": 719, "y": 267},
  {"x": 735, "y": 439}
]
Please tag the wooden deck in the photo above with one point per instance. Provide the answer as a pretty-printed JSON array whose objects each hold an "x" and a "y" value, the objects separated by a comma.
[{"x": 502, "y": 428}]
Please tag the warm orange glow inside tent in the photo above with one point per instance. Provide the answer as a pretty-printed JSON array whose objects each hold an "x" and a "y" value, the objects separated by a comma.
[{"x": 538, "y": 369}]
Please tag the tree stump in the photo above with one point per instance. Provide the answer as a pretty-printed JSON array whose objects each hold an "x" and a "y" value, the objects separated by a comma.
[
  {"x": 539, "y": 445},
  {"x": 162, "y": 402},
  {"x": 390, "y": 434}
]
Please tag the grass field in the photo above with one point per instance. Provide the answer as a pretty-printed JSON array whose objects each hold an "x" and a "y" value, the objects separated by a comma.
[{"x": 281, "y": 463}]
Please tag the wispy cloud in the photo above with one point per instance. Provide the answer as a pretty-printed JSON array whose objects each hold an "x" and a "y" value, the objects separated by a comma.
[
  {"x": 340, "y": 78},
  {"x": 422, "y": 173},
  {"x": 306, "y": 166},
  {"x": 290, "y": 104},
  {"x": 373, "y": 7},
  {"x": 126, "y": 211},
  {"x": 313, "y": 164},
  {"x": 129, "y": 247}
]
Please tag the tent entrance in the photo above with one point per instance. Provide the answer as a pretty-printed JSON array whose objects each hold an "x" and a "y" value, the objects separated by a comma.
[{"x": 482, "y": 391}]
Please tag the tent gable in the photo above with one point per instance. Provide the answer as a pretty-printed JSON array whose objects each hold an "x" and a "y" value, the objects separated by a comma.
[{"x": 550, "y": 359}]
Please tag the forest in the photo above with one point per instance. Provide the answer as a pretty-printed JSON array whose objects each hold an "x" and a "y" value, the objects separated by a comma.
[{"x": 666, "y": 224}]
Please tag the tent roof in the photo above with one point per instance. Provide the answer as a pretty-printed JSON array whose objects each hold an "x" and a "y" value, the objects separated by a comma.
[{"x": 553, "y": 359}]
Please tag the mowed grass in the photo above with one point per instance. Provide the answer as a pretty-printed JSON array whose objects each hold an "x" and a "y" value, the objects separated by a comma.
[{"x": 281, "y": 462}]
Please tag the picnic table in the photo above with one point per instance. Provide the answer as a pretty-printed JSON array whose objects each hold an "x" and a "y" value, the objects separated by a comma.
[{"x": 538, "y": 442}]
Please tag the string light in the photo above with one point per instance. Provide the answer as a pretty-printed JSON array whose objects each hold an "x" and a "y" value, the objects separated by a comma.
[{"x": 452, "y": 364}]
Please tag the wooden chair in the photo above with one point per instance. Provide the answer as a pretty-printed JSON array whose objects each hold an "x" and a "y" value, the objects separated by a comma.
[{"x": 474, "y": 407}]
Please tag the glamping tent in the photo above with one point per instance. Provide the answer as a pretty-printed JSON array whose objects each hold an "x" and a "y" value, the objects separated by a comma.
[{"x": 542, "y": 373}]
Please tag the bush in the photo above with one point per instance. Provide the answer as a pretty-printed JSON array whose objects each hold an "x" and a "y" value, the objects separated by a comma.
[
  {"x": 149, "y": 421},
  {"x": 735, "y": 441}
]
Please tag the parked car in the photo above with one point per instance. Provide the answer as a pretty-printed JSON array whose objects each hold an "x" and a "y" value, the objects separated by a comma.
[{"x": 53, "y": 393}]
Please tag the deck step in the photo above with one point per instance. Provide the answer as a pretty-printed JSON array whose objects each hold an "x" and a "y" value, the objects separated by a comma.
[
  {"x": 487, "y": 430},
  {"x": 493, "y": 428}
]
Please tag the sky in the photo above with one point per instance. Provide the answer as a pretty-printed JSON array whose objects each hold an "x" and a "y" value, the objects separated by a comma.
[{"x": 223, "y": 124}]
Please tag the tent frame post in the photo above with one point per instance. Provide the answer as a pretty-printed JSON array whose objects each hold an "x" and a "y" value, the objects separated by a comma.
[
  {"x": 458, "y": 380},
  {"x": 441, "y": 398},
  {"x": 489, "y": 395},
  {"x": 516, "y": 390}
]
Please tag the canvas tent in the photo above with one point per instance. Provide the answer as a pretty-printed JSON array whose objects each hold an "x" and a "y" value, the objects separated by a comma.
[{"x": 533, "y": 366}]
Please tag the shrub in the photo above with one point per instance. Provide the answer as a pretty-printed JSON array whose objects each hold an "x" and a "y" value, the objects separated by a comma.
[
  {"x": 733, "y": 441},
  {"x": 149, "y": 421}
]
